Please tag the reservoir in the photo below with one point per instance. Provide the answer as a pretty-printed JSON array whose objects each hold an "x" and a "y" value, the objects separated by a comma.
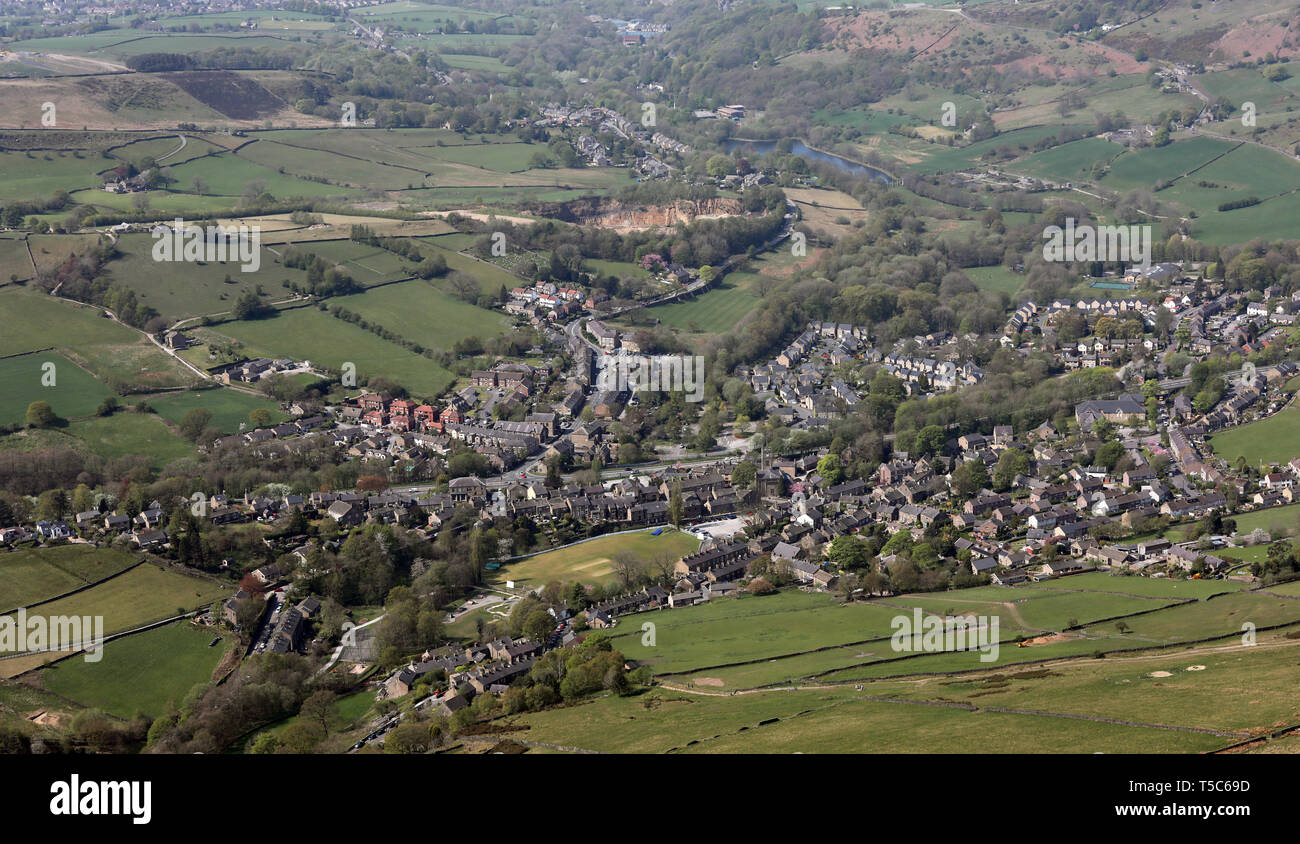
[{"x": 803, "y": 150}]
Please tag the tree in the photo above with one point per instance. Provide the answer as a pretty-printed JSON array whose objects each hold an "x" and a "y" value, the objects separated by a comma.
[
  {"x": 41, "y": 415},
  {"x": 675, "y": 505},
  {"x": 719, "y": 166},
  {"x": 193, "y": 423},
  {"x": 849, "y": 552},
  {"x": 319, "y": 709},
  {"x": 52, "y": 505},
  {"x": 260, "y": 417},
  {"x": 831, "y": 468},
  {"x": 742, "y": 477}
]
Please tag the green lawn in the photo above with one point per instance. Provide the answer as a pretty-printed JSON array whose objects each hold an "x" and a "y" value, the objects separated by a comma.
[{"x": 149, "y": 673}]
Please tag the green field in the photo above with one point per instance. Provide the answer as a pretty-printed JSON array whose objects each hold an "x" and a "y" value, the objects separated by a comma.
[
  {"x": 716, "y": 310},
  {"x": 145, "y": 593},
  {"x": 131, "y": 435},
  {"x": 1143, "y": 168},
  {"x": 309, "y": 334},
  {"x": 829, "y": 721},
  {"x": 74, "y": 392},
  {"x": 31, "y": 575},
  {"x": 35, "y": 321},
  {"x": 149, "y": 672},
  {"x": 418, "y": 311},
  {"x": 1275, "y": 440},
  {"x": 112, "y": 352},
  {"x": 997, "y": 279},
  {"x": 590, "y": 562},
  {"x": 1070, "y": 162},
  {"x": 229, "y": 408}
]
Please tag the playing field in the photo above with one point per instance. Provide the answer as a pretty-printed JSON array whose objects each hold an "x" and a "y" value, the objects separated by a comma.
[
  {"x": 148, "y": 673},
  {"x": 31, "y": 575},
  {"x": 591, "y": 561}
]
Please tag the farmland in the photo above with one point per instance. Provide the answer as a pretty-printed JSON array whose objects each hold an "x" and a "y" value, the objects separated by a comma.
[
  {"x": 418, "y": 311},
  {"x": 32, "y": 575},
  {"x": 309, "y": 334},
  {"x": 74, "y": 392},
  {"x": 145, "y": 593},
  {"x": 148, "y": 672},
  {"x": 591, "y": 562}
]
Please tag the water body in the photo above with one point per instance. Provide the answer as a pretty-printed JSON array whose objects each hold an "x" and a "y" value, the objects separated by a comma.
[{"x": 803, "y": 150}]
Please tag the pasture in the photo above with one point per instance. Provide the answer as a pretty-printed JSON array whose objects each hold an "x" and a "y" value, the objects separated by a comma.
[
  {"x": 73, "y": 393},
  {"x": 31, "y": 575},
  {"x": 149, "y": 672},
  {"x": 145, "y": 593},
  {"x": 309, "y": 334},
  {"x": 418, "y": 311},
  {"x": 229, "y": 408},
  {"x": 130, "y": 435}
]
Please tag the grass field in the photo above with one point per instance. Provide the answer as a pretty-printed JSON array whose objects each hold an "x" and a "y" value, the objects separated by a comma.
[
  {"x": 229, "y": 408},
  {"x": 148, "y": 673},
  {"x": 591, "y": 561},
  {"x": 725, "y": 304},
  {"x": 1274, "y": 440},
  {"x": 309, "y": 334},
  {"x": 74, "y": 392},
  {"x": 829, "y": 721},
  {"x": 36, "y": 321},
  {"x": 131, "y": 435},
  {"x": 418, "y": 311},
  {"x": 145, "y": 593},
  {"x": 1143, "y": 168},
  {"x": 997, "y": 279},
  {"x": 31, "y": 575},
  {"x": 1070, "y": 162}
]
